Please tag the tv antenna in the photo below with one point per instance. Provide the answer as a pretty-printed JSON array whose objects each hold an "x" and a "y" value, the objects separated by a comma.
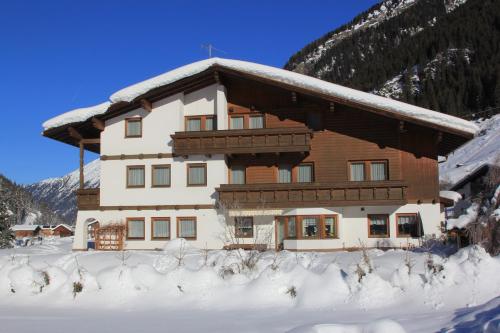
[{"x": 210, "y": 48}]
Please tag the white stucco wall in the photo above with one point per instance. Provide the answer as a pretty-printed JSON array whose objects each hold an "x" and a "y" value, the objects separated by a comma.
[
  {"x": 210, "y": 230},
  {"x": 353, "y": 226},
  {"x": 114, "y": 191}
]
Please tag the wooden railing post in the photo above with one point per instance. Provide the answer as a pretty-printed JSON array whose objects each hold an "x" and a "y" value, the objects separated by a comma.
[{"x": 82, "y": 180}]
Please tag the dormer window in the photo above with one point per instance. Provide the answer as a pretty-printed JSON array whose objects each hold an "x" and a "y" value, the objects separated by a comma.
[{"x": 133, "y": 127}]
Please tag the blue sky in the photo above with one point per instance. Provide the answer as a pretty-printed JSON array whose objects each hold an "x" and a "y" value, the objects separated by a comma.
[{"x": 59, "y": 55}]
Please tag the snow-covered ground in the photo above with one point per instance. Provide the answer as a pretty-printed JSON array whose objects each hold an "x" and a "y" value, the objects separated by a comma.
[{"x": 147, "y": 291}]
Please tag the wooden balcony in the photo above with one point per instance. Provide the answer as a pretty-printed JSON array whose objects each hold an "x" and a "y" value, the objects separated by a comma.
[
  {"x": 299, "y": 195},
  {"x": 247, "y": 141},
  {"x": 88, "y": 199}
]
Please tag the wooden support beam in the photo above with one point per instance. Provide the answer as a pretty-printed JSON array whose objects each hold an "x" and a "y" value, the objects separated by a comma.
[
  {"x": 294, "y": 97},
  {"x": 332, "y": 107},
  {"x": 74, "y": 133},
  {"x": 216, "y": 76},
  {"x": 439, "y": 137},
  {"x": 90, "y": 141},
  {"x": 146, "y": 105},
  {"x": 402, "y": 127},
  {"x": 98, "y": 123},
  {"x": 82, "y": 180}
]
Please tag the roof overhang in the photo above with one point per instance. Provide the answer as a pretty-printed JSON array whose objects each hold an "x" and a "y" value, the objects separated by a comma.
[{"x": 452, "y": 137}]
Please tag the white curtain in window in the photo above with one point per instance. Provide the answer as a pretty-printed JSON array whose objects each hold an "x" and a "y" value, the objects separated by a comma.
[
  {"x": 236, "y": 123},
  {"x": 378, "y": 171},
  {"x": 305, "y": 174},
  {"x": 136, "y": 228},
  {"x": 309, "y": 226},
  {"x": 376, "y": 220},
  {"x": 187, "y": 228},
  {"x": 406, "y": 220},
  {"x": 238, "y": 175},
  {"x": 330, "y": 227},
  {"x": 285, "y": 174},
  {"x": 134, "y": 128},
  {"x": 161, "y": 176},
  {"x": 209, "y": 124},
  {"x": 292, "y": 232},
  {"x": 136, "y": 177},
  {"x": 193, "y": 124},
  {"x": 196, "y": 175},
  {"x": 257, "y": 122},
  {"x": 161, "y": 229},
  {"x": 357, "y": 171}
]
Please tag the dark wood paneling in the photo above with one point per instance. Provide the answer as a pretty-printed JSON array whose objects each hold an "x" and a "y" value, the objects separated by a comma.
[{"x": 313, "y": 194}]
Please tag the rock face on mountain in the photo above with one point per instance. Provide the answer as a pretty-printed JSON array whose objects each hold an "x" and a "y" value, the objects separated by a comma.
[
  {"x": 439, "y": 54},
  {"x": 60, "y": 193}
]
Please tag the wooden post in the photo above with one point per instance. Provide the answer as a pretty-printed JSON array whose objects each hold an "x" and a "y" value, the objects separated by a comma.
[{"x": 82, "y": 181}]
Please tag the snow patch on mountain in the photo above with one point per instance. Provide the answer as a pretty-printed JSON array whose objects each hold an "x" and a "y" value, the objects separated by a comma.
[
  {"x": 60, "y": 193},
  {"x": 451, "y": 5}
]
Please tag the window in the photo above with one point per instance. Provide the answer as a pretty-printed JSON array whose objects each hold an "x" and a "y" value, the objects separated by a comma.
[
  {"x": 378, "y": 225},
  {"x": 197, "y": 175},
  {"x": 200, "y": 123},
  {"x": 160, "y": 176},
  {"x": 407, "y": 225},
  {"x": 160, "y": 228},
  {"x": 133, "y": 127},
  {"x": 330, "y": 224},
  {"x": 243, "y": 227},
  {"x": 291, "y": 227},
  {"x": 186, "y": 227},
  {"x": 378, "y": 170},
  {"x": 357, "y": 171},
  {"x": 305, "y": 173},
  {"x": 256, "y": 122},
  {"x": 237, "y": 175},
  {"x": 135, "y": 176},
  {"x": 310, "y": 227},
  {"x": 210, "y": 123},
  {"x": 284, "y": 174},
  {"x": 135, "y": 228},
  {"x": 193, "y": 124},
  {"x": 236, "y": 122}
]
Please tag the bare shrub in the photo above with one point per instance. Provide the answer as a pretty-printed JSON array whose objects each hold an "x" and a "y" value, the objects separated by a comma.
[
  {"x": 292, "y": 291},
  {"x": 261, "y": 240}
]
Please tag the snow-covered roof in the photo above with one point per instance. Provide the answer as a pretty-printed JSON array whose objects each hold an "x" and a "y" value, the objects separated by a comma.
[
  {"x": 24, "y": 227},
  {"x": 279, "y": 75},
  {"x": 64, "y": 226},
  {"x": 450, "y": 195}
]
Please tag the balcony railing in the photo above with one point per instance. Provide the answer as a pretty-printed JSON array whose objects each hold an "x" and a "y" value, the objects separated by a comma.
[
  {"x": 88, "y": 199},
  {"x": 312, "y": 194},
  {"x": 247, "y": 141}
]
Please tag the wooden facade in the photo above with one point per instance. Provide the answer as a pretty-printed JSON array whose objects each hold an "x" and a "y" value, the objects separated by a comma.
[
  {"x": 306, "y": 128},
  {"x": 313, "y": 194}
]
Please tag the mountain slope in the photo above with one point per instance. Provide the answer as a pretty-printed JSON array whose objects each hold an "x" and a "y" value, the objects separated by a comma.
[
  {"x": 60, "y": 193},
  {"x": 439, "y": 54},
  {"x": 23, "y": 207},
  {"x": 483, "y": 149}
]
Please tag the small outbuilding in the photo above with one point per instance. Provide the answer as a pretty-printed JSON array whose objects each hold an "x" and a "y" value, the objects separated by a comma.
[{"x": 21, "y": 231}]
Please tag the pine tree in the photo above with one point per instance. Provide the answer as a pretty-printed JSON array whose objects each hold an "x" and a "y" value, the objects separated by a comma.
[{"x": 6, "y": 235}]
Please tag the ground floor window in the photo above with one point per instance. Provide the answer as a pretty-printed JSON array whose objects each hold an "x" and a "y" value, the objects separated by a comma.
[
  {"x": 160, "y": 228},
  {"x": 186, "y": 227},
  {"x": 243, "y": 226},
  {"x": 378, "y": 225},
  {"x": 408, "y": 225},
  {"x": 310, "y": 227},
  {"x": 135, "y": 228},
  {"x": 305, "y": 227}
]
